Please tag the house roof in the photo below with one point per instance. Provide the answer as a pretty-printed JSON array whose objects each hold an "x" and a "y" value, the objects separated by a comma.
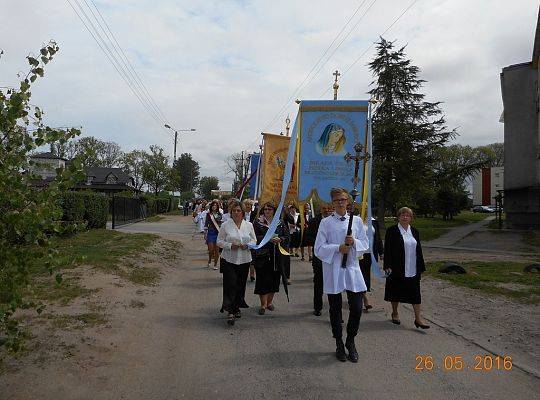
[
  {"x": 100, "y": 175},
  {"x": 48, "y": 155}
]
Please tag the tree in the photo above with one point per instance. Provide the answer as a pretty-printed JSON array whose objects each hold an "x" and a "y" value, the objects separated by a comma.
[
  {"x": 92, "y": 151},
  {"x": 495, "y": 153},
  {"x": 29, "y": 216},
  {"x": 155, "y": 170},
  {"x": 132, "y": 163},
  {"x": 186, "y": 173},
  {"x": 207, "y": 184},
  {"x": 406, "y": 129},
  {"x": 238, "y": 164}
]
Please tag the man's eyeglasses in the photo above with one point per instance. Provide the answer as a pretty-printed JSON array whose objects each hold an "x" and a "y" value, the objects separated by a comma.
[{"x": 340, "y": 200}]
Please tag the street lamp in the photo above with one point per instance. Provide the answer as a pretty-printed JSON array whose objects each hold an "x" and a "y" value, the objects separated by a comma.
[{"x": 176, "y": 135}]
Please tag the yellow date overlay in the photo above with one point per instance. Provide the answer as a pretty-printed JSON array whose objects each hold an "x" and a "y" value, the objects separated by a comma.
[{"x": 478, "y": 362}]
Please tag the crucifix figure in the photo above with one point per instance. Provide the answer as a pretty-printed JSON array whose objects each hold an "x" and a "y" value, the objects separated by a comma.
[
  {"x": 336, "y": 85},
  {"x": 359, "y": 156},
  {"x": 287, "y": 125}
]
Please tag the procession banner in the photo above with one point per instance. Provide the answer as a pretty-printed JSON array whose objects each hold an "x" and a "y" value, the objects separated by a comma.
[
  {"x": 328, "y": 130},
  {"x": 254, "y": 170},
  {"x": 274, "y": 161}
]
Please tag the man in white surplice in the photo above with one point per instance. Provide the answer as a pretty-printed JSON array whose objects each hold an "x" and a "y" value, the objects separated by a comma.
[{"x": 331, "y": 244}]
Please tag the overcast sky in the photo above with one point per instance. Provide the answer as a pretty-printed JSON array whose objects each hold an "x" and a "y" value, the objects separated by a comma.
[{"x": 228, "y": 67}]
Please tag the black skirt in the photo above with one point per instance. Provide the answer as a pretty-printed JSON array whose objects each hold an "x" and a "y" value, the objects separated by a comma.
[
  {"x": 403, "y": 290},
  {"x": 295, "y": 240},
  {"x": 365, "y": 267},
  {"x": 234, "y": 286},
  {"x": 267, "y": 277}
]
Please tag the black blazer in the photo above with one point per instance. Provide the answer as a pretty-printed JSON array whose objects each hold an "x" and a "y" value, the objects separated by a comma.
[{"x": 394, "y": 252}]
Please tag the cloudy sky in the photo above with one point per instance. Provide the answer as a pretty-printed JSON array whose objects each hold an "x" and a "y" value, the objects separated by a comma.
[{"x": 229, "y": 67}]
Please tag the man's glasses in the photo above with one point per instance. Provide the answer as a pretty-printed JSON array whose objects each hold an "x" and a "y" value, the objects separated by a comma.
[{"x": 340, "y": 200}]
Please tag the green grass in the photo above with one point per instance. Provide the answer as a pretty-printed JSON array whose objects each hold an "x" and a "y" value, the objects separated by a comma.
[
  {"x": 79, "y": 321},
  {"x": 155, "y": 218},
  {"x": 489, "y": 277},
  {"x": 98, "y": 248},
  {"x": 432, "y": 228}
]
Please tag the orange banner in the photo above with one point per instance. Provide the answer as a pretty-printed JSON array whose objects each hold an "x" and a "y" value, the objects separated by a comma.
[{"x": 274, "y": 159}]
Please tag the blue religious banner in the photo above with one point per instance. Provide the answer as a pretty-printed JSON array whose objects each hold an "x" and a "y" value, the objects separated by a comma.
[
  {"x": 328, "y": 130},
  {"x": 254, "y": 174}
]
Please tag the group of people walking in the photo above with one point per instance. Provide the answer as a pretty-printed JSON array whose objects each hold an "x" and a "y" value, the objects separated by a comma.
[{"x": 341, "y": 261}]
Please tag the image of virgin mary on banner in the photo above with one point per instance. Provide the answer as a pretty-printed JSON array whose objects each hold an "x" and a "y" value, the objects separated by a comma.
[{"x": 327, "y": 131}]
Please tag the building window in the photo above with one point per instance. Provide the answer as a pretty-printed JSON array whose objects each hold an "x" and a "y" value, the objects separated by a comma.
[{"x": 111, "y": 179}]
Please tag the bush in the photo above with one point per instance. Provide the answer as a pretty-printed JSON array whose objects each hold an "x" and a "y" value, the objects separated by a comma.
[
  {"x": 90, "y": 207},
  {"x": 73, "y": 207},
  {"x": 96, "y": 209}
]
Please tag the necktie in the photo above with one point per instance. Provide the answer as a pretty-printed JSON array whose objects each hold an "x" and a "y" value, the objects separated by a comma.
[{"x": 342, "y": 219}]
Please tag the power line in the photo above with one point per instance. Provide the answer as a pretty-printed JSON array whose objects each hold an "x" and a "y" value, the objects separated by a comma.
[
  {"x": 299, "y": 87},
  {"x": 371, "y": 45},
  {"x": 129, "y": 65},
  {"x": 112, "y": 59}
]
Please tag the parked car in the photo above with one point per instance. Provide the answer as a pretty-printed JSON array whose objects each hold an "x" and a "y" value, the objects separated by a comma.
[{"x": 483, "y": 209}]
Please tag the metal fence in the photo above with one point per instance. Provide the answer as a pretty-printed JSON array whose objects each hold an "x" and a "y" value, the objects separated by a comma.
[{"x": 126, "y": 210}]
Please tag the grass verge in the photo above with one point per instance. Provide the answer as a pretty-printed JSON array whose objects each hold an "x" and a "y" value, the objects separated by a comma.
[{"x": 496, "y": 278}]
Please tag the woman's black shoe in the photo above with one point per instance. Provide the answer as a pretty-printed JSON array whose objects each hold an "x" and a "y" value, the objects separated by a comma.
[
  {"x": 340, "y": 350},
  {"x": 353, "y": 354},
  {"x": 395, "y": 320},
  {"x": 230, "y": 321},
  {"x": 317, "y": 313},
  {"x": 419, "y": 325},
  {"x": 238, "y": 314}
]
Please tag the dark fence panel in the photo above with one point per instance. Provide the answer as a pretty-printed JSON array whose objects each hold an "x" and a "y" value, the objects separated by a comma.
[{"x": 126, "y": 210}]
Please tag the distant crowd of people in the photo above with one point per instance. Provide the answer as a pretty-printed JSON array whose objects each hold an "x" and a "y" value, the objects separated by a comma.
[{"x": 341, "y": 262}]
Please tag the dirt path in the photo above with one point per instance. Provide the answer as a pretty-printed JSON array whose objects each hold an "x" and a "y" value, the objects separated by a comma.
[{"x": 170, "y": 342}]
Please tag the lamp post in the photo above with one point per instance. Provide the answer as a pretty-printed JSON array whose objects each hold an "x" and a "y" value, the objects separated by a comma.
[{"x": 176, "y": 135}]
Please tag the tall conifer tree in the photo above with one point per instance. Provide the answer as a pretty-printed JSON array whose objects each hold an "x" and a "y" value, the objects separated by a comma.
[{"x": 406, "y": 130}]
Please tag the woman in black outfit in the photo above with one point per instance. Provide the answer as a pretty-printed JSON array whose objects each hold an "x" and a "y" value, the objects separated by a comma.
[
  {"x": 404, "y": 264},
  {"x": 268, "y": 259}
]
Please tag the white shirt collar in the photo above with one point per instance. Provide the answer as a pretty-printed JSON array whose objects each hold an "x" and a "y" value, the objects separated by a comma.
[
  {"x": 339, "y": 217},
  {"x": 403, "y": 230}
]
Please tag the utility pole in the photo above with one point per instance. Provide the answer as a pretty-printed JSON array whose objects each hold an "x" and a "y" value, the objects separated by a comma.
[{"x": 176, "y": 135}]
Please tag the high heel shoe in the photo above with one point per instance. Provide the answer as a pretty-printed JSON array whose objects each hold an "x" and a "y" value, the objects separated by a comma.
[
  {"x": 395, "y": 320},
  {"x": 419, "y": 325}
]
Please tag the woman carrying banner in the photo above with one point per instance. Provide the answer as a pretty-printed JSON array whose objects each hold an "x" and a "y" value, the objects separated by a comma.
[
  {"x": 269, "y": 259},
  {"x": 211, "y": 228},
  {"x": 234, "y": 237},
  {"x": 404, "y": 264}
]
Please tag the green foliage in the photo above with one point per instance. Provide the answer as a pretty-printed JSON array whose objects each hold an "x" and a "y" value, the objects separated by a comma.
[
  {"x": 206, "y": 185},
  {"x": 28, "y": 215},
  {"x": 132, "y": 163},
  {"x": 92, "y": 151},
  {"x": 407, "y": 130},
  {"x": 96, "y": 209},
  {"x": 73, "y": 207},
  {"x": 185, "y": 173},
  {"x": 155, "y": 170}
]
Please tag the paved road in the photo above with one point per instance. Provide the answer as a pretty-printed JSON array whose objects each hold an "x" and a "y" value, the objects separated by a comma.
[
  {"x": 289, "y": 353},
  {"x": 458, "y": 233}
]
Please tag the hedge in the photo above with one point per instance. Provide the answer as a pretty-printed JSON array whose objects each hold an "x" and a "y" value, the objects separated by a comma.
[{"x": 90, "y": 207}]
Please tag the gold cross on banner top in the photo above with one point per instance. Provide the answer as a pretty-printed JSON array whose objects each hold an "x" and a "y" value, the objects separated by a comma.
[{"x": 336, "y": 85}]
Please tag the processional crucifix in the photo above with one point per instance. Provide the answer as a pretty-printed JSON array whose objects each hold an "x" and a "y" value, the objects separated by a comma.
[
  {"x": 336, "y": 85},
  {"x": 361, "y": 155}
]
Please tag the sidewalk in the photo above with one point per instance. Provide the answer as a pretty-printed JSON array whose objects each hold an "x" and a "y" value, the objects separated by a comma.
[{"x": 458, "y": 233}]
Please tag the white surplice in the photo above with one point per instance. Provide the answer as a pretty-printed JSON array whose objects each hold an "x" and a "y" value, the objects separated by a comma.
[{"x": 331, "y": 234}]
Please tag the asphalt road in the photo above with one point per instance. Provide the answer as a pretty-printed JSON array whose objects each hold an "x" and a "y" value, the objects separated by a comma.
[{"x": 290, "y": 353}]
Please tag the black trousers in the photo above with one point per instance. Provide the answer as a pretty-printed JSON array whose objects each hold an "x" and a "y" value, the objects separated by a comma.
[
  {"x": 234, "y": 285},
  {"x": 355, "y": 312},
  {"x": 317, "y": 284}
]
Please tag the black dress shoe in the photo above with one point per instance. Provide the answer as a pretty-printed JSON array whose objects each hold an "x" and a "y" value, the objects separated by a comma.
[
  {"x": 353, "y": 354},
  {"x": 419, "y": 325},
  {"x": 317, "y": 313},
  {"x": 340, "y": 350},
  {"x": 395, "y": 320}
]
